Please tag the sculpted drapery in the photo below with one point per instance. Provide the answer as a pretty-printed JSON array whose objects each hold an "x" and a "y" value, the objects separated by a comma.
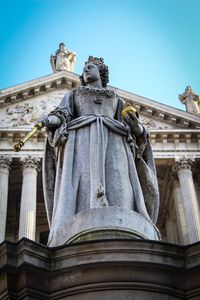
[{"x": 94, "y": 157}]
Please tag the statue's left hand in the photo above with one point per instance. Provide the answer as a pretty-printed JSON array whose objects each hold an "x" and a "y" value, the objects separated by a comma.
[
  {"x": 134, "y": 123},
  {"x": 131, "y": 119}
]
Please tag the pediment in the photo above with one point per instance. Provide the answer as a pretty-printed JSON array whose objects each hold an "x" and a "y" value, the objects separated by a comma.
[
  {"x": 26, "y": 113},
  {"x": 23, "y": 104}
]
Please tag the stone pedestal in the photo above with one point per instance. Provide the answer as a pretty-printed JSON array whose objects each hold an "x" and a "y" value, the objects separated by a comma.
[
  {"x": 104, "y": 223},
  {"x": 27, "y": 222},
  {"x": 108, "y": 270},
  {"x": 5, "y": 162}
]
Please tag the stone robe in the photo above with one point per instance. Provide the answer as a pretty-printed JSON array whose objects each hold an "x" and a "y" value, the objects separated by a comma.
[{"x": 89, "y": 162}]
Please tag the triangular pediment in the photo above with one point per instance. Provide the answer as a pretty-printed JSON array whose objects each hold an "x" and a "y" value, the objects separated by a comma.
[{"x": 22, "y": 104}]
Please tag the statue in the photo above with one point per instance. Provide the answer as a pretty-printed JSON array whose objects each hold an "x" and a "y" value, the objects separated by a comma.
[
  {"x": 97, "y": 154},
  {"x": 191, "y": 100},
  {"x": 63, "y": 60}
]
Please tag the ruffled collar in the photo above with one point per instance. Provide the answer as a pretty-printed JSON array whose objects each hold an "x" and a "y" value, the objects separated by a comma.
[{"x": 95, "y": 91}]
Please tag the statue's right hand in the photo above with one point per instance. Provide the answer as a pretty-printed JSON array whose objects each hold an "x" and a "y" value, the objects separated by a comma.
[
  {"x": 44, "y": 120},
  {"x": 131, "y": 119},
  {"x": 50, "y": 121}
]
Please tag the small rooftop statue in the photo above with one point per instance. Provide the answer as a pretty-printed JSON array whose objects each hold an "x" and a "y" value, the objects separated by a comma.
[
  {"x": 191, "y": 100},
  {"x": 63, "y": 60}
]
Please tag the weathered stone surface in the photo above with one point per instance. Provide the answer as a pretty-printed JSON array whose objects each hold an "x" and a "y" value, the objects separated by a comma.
[
  {"x": 172, "y": 132},
  {"x": 106, "y": 222},
  {"x": 117, "y": 269},
  {"x": 103, "y": 158}
]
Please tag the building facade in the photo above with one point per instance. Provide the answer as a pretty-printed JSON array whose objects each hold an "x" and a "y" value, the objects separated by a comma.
[{"x": 175, "y": 139}]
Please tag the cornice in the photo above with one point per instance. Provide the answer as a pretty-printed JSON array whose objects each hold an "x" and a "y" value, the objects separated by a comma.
[
  {"x": 38, "y": 86},
  {"x": 159, "y": 111},
  {"x": 179, "y": 135},
  {"x": 69, "y": 80}
]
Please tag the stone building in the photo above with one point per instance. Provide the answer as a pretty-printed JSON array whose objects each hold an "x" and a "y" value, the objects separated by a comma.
[{"x": 175, "y": 138}]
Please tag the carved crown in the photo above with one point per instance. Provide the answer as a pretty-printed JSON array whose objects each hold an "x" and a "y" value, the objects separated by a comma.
[{"x": 95, "y": 60}]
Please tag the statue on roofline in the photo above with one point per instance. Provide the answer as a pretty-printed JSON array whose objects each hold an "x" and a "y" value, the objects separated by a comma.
[
  {"x": 63, "y": 60},
  {"x": 191, "y": 100}
]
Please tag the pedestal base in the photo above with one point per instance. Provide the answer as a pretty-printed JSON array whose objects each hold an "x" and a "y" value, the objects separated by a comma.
[{"x": 105, "y": 223}]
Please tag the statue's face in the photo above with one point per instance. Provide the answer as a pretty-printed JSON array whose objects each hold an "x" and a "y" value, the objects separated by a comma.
[{"x": 91, "y": 73}]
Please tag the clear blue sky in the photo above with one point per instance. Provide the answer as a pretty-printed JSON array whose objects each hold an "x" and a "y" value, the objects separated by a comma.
[{"x": 152, "y": 47}]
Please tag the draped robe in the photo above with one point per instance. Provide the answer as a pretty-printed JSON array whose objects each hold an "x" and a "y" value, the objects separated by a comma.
[{"x": 91, "y": 150}]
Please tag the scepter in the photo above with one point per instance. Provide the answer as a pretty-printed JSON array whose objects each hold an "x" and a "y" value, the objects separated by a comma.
[{"x": 18, "y": 146}]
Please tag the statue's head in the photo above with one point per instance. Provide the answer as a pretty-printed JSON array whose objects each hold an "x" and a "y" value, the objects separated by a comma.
[
  {"x": 103, "y": 70},
  {"x": 62, "y": 47},
  {"x": 188, "y": 88}
]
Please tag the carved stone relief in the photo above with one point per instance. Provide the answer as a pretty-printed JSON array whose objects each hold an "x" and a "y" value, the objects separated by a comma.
[
  {"x": 28, "y": 112},
  {"x": 155, "y": 124}
]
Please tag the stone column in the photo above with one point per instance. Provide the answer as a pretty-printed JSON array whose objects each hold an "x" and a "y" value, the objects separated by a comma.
[
  {"x": 190, "y": 203},
  {"x": 180, "y": 214},
  {"x": 27, "y": 222},
  {"x": 5, "y": 162},
  {"x": 169, "y": 229},
  {"x": 197, "y": 182}
]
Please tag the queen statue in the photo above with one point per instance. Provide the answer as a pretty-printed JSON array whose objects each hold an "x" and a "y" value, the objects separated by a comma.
[{"x": 97, "y": 156}]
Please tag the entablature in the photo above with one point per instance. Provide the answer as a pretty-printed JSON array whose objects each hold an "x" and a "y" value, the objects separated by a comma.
[
  {"x": 165, "y": 143},
  {"x": 175, "y": 135},
  {"x": 147, "y": 107}
]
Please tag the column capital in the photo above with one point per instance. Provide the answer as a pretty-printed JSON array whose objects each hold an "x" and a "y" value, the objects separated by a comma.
[
  {"x": 183, "y": 163},
  {"x": 30, "y": 162},
  {"x": 5, "y": 161}
]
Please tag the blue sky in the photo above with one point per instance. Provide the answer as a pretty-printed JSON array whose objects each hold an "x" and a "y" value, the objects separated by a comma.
[{"x": 152, "y": 47}]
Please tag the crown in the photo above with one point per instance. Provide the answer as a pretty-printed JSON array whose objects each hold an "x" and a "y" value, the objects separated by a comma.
[{"x": 95, "y": 60}]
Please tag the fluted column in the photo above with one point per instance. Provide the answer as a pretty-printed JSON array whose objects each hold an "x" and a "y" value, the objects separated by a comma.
[
  {"x": 27, "y": 222},
  {"x": 180, "y": 213},
  {"x": 190, "y": 203},
  {"x": 5, "y": 162},
  {"x": 169, "y": 228}
]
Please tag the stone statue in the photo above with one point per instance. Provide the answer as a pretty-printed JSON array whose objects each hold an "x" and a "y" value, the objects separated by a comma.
[
  {"x": 63, "y": 60},
  {"x": 97, "y": 154},
  {"x": 191, "y": 100}
]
